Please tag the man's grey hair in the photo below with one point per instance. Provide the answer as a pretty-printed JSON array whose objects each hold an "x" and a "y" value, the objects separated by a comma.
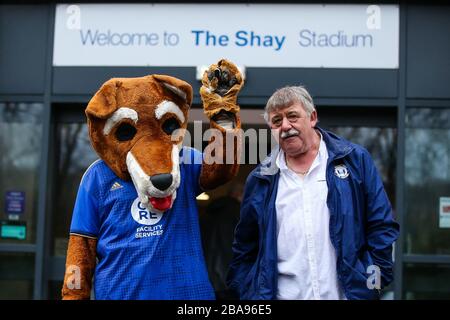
[{"x": 286, "y": 97}]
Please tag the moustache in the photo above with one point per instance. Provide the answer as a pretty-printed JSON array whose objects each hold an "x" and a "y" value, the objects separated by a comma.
[{"x": 290, "y": 133}]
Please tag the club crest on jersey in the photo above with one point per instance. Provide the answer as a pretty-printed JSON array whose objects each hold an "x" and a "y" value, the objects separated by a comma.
[{"x": 341, "y": 171}]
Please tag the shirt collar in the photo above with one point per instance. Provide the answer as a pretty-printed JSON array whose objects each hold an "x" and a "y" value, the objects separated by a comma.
[
  {"x": 281, "y": 161},
  {"x": 321, "y": 155}
]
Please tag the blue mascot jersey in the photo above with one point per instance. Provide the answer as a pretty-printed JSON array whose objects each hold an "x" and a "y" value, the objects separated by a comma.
[{"x": 143, "y": 255}]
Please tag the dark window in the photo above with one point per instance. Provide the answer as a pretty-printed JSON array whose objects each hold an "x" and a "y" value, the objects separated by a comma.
[{"x": 16, "y": 275}]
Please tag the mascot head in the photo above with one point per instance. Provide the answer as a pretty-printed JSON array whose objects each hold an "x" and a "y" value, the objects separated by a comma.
[{"x": 132, "y": 125}]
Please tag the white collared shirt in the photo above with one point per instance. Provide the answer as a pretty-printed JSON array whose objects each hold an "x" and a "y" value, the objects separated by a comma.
[{"x": 306, "y": 256}]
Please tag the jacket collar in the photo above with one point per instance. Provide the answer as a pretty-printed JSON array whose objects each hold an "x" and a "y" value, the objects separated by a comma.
[{"x": 337, "y": 148}]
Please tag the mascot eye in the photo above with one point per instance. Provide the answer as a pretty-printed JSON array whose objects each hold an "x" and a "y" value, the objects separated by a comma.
[
  {"x": 125, "y": 132},
  {"x": 170, "y": 125}
]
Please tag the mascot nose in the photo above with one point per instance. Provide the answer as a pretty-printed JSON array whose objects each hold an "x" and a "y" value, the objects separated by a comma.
[{"x": 161, "y": 181}]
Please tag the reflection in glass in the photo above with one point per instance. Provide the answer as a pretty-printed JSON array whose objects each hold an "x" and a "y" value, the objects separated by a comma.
[
  {"x": 427, "y": 179},
  {"x": 74, "y": 155},
  {"x": 20, "y": 147}
]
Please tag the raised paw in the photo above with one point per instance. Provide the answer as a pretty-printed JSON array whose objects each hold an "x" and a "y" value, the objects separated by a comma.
[{"x": 222, "y": 77}]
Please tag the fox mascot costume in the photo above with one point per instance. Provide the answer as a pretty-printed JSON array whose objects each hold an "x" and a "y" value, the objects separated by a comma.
[{"x": 135, "y": 231}]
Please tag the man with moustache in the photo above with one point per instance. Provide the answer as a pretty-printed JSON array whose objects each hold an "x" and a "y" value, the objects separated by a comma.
[{"x": 316, "y": 222}]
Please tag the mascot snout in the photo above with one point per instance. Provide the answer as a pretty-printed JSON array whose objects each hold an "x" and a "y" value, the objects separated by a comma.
[{"x": 156, "y": 186}]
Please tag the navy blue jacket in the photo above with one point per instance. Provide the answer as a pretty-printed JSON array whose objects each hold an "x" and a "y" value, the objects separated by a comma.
[{"x": 362, "y": 229}]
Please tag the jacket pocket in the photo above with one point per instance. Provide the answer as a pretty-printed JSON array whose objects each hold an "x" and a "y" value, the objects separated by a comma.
[{"x": 359, "y": 279}]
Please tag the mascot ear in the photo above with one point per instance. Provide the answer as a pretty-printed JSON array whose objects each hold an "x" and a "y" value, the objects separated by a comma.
[
  {"x": 103, "y": 103},
  {"x": 176, "y": 86}
]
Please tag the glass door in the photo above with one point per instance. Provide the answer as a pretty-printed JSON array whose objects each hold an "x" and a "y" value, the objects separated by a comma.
[
  {"x": 20, "y": 147},
  {"x": 72, "y": 156}
]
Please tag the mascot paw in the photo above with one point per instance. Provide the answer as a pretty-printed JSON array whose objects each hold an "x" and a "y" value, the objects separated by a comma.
[
  {"x": 221, "y": 79},
  {"x": 221, "y": 84}
]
